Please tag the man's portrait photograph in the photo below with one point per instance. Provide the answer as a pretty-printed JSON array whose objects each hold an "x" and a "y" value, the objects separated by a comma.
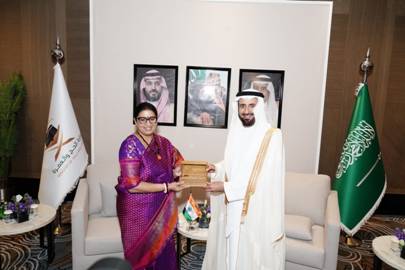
[
  {"x": 157, "y": 84},
  {"x": 270, "y": 83},
  {"x": 207, "y": 92}
]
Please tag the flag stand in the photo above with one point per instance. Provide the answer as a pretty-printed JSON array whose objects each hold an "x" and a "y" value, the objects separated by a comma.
[
  {"x": 58, "y": 55},
  {"x": 352, "y": 241},
  {"x": 60, "y": 228},
  {"x": 366, "y": 67},
  {"x": 65, "y": 157},
  {"x": 360, "y": 177}
]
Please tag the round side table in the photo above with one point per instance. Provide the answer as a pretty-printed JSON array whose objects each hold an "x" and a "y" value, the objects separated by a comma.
[
  {"x": 183, "y": 229},
  {"x": 382, "y": 250},
  {"x": 44, "y": 218}
]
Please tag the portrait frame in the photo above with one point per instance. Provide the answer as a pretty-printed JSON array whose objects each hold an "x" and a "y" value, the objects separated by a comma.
[
  {"x": 250, "y": 78},
  {"x": 207, "y": 97},
  {"x": 167, "y": 110}
]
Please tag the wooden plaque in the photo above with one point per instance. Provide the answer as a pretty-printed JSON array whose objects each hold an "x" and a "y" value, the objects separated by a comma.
[{"x": 194, "y": 173}]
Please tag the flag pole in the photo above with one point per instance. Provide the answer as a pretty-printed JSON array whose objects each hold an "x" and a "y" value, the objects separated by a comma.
[
  {"x": 58, "y": 56},
  {"x": 366, "y": 67}
]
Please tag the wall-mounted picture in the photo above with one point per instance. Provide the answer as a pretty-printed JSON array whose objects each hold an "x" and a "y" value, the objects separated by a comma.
[
  {"x": 157, "y": 84},
  {"x": 206, "y": 102},
  {"x": 270, "y": 83}
]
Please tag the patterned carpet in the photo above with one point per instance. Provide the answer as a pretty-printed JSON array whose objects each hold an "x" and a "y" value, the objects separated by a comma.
[
  {"x": 22, "y": 252},
  {"x": 362, "y": 257}
]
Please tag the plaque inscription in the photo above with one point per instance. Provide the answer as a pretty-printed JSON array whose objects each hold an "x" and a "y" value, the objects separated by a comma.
[{"x": 194, "y": 173}]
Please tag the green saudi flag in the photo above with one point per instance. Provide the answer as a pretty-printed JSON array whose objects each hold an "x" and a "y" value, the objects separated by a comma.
[{"x": 360, "y": 177}]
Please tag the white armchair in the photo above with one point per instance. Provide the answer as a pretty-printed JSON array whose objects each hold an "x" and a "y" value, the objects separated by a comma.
[
  {"x": 96, "y": 232},
  {"x": 312, "y": 222}
]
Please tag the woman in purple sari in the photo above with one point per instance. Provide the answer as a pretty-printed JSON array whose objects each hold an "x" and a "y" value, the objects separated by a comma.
[{"x": 146, "y": 189}]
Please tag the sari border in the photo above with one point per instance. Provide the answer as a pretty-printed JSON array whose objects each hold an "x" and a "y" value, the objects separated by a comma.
[{"x": 150, "y": 245}]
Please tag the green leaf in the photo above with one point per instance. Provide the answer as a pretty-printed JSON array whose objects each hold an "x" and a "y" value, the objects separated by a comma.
[{"x": 12, "y": 95}]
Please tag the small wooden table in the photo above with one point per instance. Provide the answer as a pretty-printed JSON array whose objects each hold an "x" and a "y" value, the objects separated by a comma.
[
  {"x": 44, "y": 218},
  {"x": 382, "y": 250},
  {"x": 190, "y": 233}
]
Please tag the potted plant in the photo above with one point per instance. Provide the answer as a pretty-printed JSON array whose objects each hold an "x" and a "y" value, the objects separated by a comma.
[{"x": 12, "y": 94}]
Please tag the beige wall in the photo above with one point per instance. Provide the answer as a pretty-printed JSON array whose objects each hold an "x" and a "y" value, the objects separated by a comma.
[
  {"x": 356, "y": 25},
  {"x": 279, "y": 36}
]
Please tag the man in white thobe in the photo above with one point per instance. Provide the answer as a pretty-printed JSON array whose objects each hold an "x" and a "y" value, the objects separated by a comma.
[{"x": 247, "y": 199}]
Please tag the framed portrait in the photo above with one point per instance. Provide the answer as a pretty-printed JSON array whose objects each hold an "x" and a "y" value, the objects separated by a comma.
[
  {"x": 157, "y": 84},
  {"x": 207, "y": 97},
  {"x": 271, "y": 84}
]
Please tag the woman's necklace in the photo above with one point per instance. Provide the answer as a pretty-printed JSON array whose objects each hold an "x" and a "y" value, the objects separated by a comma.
[{"x": 157, "y": 152}]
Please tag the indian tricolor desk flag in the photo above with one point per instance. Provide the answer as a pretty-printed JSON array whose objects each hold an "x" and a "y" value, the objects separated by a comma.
[
  {"x": 360, "y": 178},
  {"x": 65, "y": 157},
  {"x": 191, "y": 211}
]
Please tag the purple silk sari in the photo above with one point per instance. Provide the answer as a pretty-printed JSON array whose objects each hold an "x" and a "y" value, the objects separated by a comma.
[{"x": 147, "y": 220}]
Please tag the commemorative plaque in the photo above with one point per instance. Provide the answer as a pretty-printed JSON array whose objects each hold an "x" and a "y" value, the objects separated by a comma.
[{"x": 194, "y": 173}]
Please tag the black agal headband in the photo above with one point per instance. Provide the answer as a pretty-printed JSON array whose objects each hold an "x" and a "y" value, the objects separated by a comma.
[{"x": 249, "y": 93}]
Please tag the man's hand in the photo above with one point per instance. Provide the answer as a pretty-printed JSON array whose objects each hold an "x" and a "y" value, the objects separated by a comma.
[
  {"x": 177, "y": 171},
  {"x": 210, "y": 168},
  {"x": 215, "y": 187}
]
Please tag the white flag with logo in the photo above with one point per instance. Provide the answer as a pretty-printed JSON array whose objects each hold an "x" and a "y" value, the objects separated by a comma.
[{"x": 65, "y": 157}]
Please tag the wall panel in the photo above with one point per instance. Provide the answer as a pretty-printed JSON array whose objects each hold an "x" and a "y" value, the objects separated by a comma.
[{"x": 357, "y": 25}]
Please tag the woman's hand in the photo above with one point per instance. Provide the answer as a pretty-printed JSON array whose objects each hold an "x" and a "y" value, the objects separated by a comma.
[{"x": 176, "y": 186}]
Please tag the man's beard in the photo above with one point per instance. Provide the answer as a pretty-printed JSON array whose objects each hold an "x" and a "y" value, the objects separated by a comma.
[
  {"x": 246, "y": 122},
  {"x": 155, "y": 97}
]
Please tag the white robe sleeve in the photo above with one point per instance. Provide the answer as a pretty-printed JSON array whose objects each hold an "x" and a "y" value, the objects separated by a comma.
[
  {"x": 234, "y": 191},
  {"x": 215, "y": 251}
]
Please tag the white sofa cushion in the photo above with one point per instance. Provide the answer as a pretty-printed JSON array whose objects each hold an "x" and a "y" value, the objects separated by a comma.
[
  {"x": 309, "y": 253},
  {"x": 106, "y": 173},
  {"x": 309, "y": 188},
  {"x": 109, "y": 204},
  {"x": 103, "y": 236},
  {"x": 298, "y": 227},
  {"x": 94, "y": 190}
]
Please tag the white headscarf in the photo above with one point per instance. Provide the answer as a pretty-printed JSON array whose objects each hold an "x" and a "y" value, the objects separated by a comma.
[{"x": 271, "y": 106}]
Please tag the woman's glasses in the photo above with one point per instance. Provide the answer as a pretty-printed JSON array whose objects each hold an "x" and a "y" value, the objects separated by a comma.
[{"x": 143, "y": 120}]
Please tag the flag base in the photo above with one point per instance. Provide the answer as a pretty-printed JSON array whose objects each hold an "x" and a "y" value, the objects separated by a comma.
[
  {"x": 352, "y": 241},
  {"x": 60, "y": 229}
]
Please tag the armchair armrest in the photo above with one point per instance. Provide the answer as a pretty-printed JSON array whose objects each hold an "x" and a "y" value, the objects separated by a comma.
[
  {"x": 332, "y": 231},
  {"x": 80, "y": 217}
]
